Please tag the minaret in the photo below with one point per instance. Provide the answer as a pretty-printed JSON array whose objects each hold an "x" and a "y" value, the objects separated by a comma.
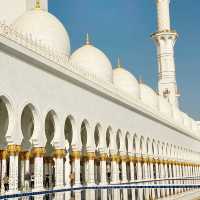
[{"x": 165, "y": 39}]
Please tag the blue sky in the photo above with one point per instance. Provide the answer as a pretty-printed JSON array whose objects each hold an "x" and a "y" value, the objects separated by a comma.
[{"x": 123, "y": 27}]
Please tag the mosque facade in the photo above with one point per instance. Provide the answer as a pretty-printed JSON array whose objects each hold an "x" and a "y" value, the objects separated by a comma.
[{"x": 71, "y": 119}]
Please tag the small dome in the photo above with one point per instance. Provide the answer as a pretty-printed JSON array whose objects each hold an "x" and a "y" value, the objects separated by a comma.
[
  {"x": 165, "y": 106},
  {"x": 45, "y": 27},
  {"x": 125, "y": 81},
  {"x": 148, "y": 96},
  {"x": 94, "y": 61}
]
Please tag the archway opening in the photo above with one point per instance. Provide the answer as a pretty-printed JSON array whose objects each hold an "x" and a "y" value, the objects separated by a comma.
[
  {"x": 4, "y": 123},
  {"x": 68, "y": 130},
  {"x": 27, "y": 126},
  {"x": 49, "y": 165}
]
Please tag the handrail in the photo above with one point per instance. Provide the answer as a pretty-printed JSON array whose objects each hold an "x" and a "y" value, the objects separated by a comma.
[{"x": 129, "y": 185}]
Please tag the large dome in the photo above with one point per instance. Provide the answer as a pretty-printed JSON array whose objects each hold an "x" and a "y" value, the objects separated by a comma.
[
  {"x": 45, "y": 27},
  {"x": 94, "y": 61},
  {"x": 126, "y": 82}
]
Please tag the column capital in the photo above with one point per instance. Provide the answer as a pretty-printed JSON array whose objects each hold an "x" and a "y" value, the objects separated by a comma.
[
  {"x": 75, "y": 155},
  {"x": 90, "y": 156},
  {"x": 59, "y": 153},
  {"x": 103, "y": 157},
  {"x": 38, "y": 151},
  {"x": 115, "y": 158},
  {"x": 3, "y": 154},
  {"x": 13, "y": 149}
]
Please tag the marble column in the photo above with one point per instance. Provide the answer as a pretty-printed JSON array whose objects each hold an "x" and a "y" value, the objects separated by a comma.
[
  {"x": 38, "y": 154},
  {"x": 132, "y": 170},
  {"x": 178, "y": 176},
  {"x": 59, "y": 155},
  {"x": 22, "y": 170},
  {"x": 103, "y": 180},
  {"x": 115, "y": 175},
  {"x": 123, "y": 159},
  {"x": 90, "y": 156},
  {"x": 27, "y": 156},
  {"x": 4, "y": 156},
  {"x": 157, "y": 177},
  {"x": 181, "y": 175},
  {"x": 67, "y": 175},
  {"x": 162, "y": 176},
  {"x": 174, "y": 175},
  {"x": 13, "y": 151},
  {"x": 145, "y": 177},
  {"x": 75, "y": 156},
  {"x": 153, "y": 191},
  {"x": 139, "y": 176},
  {"x": 170, "y": 176},
  {"x": 166, "y": 176}
]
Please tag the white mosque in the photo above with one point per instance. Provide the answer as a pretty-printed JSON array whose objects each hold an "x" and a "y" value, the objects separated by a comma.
[{"x": 72, "y": 118}]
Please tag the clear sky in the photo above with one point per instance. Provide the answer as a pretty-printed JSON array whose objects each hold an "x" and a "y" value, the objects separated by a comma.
[{"x": 123, "y": 27}]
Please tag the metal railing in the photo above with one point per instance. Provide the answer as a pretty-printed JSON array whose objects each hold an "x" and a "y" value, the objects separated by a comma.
[{"x": 140, "y": 184}]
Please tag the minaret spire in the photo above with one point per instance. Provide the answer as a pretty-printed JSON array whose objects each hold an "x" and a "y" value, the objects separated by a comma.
[
  {"x": 119, "y": 63},
  {"x": 88, "y": 40},
  {"x": 165, "y": 39}
]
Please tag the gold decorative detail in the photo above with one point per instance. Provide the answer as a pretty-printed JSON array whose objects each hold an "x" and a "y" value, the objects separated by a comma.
[
  {"x": 124, "y": 158},
  {"x": 3, "y": 154},
  {"x": 115, "y": 158},
  {"x": 103, "y": 157},
  {"x": 13, "y": 150},
  {"x": 75, "y": 155},
  {"x": 90, "y": 156},
  {"x": 38, "y": 151},
  {"x": 59, "y": 153}
]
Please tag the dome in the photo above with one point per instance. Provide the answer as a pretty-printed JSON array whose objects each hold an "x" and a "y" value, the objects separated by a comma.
[
  {"x": 125, "y": 81},
  {"x": 164, "y": 106},
  {"x": 148, "y": 96},
  {"x": 94, "y": 61},
  {"x": 45, "y": 27}
]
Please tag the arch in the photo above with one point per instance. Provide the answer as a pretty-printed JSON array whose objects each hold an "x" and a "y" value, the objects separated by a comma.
[
  {"x": 69, "y": 130},
  {"x": 136, "y": 143},
  {"x": 159, "y": 149},
  {"x": 128, "y": 143},
  {"x": 119, "y": 139},
  {"x": 167, "y": 150},
  {"x": 28, "y": 125},
  {"x": 154, "y": 148},
  {"x": 84, "y": 133},
  {"x": 51, "y": 122},
  {"x": 6, "y": 120},
  {"x": 108, "y": 136},
  {"x": 97, "y": 135},
  {"x": 142, "y": 145},
  {"x": 148, "y": 146}
]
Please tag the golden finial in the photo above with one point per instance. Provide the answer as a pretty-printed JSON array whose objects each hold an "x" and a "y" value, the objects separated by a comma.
[
  {"x": 119, "y": 64},
  {"x": 37, "y": 4},
  {"x": 87, "y": 42}
]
